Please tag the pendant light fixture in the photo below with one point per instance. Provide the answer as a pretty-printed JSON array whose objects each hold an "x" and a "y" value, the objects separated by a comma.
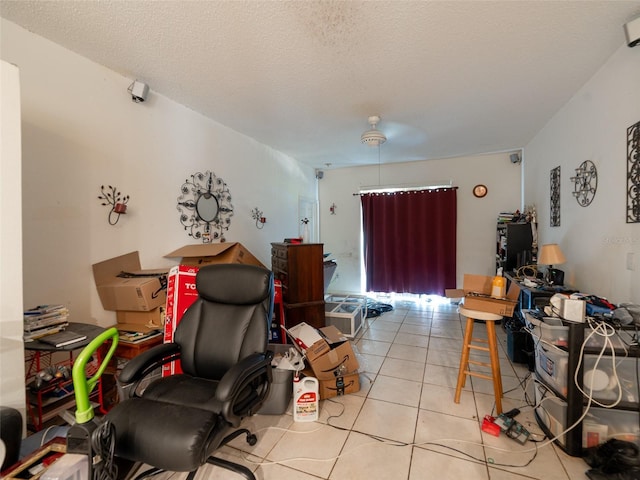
[{"x": 373, "y": 137}]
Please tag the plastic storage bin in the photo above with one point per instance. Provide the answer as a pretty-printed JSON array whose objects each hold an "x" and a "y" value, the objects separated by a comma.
[
  {"x": 551, "y": 411},
  {"x": 281, "y": 390},
  {"x": 345, "y": 312},
  {"x": 601, "y": 424},
  {"x": 598, "y": 426},
  {"x": 71, "y": 466},
  {"x": 606, "y": 383},
  {"x": 552, "y": 364},
  {"x": 553, "y": 330}
]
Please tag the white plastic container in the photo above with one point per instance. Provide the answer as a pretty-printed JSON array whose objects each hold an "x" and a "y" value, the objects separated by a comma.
[
  {"x": 70, "y": 466},
  {"x": 305, "y": 399}
]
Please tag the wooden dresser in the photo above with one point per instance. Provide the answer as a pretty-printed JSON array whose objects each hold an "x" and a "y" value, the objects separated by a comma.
[{"x": 300, "y": 268}]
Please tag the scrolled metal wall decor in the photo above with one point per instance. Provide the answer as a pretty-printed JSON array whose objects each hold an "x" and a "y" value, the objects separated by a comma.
[
  {"x": 555, "y": 196},
  {"x": 585, "y": 183},
  {"x": 633, "y": 173},
  {"x": 205, "y": 207}
]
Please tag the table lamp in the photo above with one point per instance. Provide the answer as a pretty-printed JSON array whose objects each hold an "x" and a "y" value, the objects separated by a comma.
[{"x": 550, "y": 254}]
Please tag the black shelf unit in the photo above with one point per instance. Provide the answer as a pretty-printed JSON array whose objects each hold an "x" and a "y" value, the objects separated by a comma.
[{"x": 514, "y": 245}]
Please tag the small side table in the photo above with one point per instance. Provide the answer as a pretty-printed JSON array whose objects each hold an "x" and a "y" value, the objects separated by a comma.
[{"x": 41, "y": 407}]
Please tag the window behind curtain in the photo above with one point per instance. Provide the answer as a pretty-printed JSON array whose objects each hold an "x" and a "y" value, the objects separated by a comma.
[{"x": 410, "y": 241}]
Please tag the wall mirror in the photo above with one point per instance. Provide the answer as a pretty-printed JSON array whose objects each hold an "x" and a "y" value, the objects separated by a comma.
[{"x": 205, "y": 207}]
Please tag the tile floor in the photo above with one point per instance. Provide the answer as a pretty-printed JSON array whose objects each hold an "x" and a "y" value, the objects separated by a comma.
[{"x": 403, "y": 424}]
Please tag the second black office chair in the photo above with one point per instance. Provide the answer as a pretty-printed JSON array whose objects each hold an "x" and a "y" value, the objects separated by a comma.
[{"x": 179, "y": 421}]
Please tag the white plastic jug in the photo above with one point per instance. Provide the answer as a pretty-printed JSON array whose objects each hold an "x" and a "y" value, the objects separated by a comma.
[{"x": 305, "y": 399}]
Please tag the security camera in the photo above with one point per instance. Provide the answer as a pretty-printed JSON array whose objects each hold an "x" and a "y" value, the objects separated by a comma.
[
  {"x": 138, "y": 91},
  {"x": 632, "y": 32},
  {"x": 515, "y": 158}
]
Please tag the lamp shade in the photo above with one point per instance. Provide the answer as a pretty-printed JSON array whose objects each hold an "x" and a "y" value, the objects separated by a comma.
[{"x": 550, "y": 254}]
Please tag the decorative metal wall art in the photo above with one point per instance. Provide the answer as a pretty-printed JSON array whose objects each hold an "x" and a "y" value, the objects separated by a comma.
[
  {"x": 259, "y": 217},
  {"x": 633, "y": 173},
  {"x": 555, "y": 197},
  {"x": 585, "y": 183},
  {"x": 111, "y": 196},
  {"x": 205, "y": 207}
]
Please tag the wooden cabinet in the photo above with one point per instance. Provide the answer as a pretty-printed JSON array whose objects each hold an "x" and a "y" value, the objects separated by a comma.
[{"x": 300, "y": 268}]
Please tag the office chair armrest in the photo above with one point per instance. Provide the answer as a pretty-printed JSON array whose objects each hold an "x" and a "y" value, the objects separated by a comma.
[
  {"x": 238, "y": 375},
  {"x": 237, "y": 379},
  {"x": 144, "y": 363}
]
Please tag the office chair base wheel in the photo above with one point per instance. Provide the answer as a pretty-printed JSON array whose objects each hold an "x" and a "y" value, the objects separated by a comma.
[{"x": 251, "y": 439}]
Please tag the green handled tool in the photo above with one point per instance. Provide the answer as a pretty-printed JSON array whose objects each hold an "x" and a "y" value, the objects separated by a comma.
[
  {"x": 82, "y": 385},
  {"x": 90, "y": 436}
]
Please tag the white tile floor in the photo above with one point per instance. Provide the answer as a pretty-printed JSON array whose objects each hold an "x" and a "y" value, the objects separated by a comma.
[{"x": 403, "y": 424}]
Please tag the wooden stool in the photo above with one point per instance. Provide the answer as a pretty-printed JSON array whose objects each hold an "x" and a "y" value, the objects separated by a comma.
[{"x": 490, "y": 319}]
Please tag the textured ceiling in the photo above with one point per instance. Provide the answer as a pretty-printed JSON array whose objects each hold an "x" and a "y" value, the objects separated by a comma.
[{"x": 448, "y": 78}]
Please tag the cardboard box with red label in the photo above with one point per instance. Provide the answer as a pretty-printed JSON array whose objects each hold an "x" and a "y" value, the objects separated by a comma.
[{"x": 181, "y": 293}]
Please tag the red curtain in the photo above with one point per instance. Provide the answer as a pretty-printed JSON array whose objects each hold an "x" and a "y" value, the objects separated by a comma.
[{"x": 410, "y": 241}]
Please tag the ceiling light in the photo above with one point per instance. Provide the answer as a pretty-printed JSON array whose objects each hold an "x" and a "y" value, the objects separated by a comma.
[{"x": 373, "y": 137}]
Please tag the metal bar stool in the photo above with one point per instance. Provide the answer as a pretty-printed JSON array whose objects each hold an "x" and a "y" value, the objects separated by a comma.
[{"x": 490, "y": 319}]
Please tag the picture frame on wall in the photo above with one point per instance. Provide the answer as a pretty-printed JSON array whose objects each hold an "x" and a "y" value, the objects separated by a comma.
[{"x": 555, "y": 196}]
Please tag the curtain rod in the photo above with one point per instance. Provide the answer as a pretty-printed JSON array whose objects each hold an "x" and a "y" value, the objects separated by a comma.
[{"x": 403, "y": 188}]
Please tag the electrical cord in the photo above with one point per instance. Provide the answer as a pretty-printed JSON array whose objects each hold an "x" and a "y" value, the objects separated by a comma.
[
  {"x": 103, "y": 447},
  {"x": 602, "y": 330}
]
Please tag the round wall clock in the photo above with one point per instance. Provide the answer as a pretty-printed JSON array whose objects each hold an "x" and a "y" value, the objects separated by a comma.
[{"x": 480, "y": 191}]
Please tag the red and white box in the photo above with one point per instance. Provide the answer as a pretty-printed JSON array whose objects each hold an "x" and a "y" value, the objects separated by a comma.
[{"x": 181, "y": 293}]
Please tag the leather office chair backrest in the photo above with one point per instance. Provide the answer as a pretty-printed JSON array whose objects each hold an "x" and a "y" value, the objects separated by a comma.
[
  {"x": 228, "y": 321},
  {"x": 10, "y": 434}
]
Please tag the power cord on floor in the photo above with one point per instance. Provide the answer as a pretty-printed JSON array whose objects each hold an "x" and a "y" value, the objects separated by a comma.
[
  {"x": 103, "y": 448},
  {"x": 380, "y": 440}
]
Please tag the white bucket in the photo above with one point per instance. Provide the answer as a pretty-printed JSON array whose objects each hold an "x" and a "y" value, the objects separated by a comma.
[{"x": 305, "y": 399}]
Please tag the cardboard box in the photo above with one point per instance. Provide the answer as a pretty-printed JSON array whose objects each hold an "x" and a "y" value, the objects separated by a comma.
[
  {"x": 213, "y": 253},
  {"x": 330, "y": 355},
  {"x": 122, "y": 285},
  {"x": 336, "y": 386},
  {"x": 140, "y": 321},
  {"x": 476, "y": 290}
]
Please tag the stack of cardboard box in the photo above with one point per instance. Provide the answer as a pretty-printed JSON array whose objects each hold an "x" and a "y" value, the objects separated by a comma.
[
  {"x": 330, "y": 358},
  {"x": 137, "y": 296}
]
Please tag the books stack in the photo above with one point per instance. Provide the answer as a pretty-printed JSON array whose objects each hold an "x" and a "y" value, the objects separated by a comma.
[
  {"x": 44, "y": 320},
  {"x": 505, "y": 217},
  {"x": 138, "y": 337}
]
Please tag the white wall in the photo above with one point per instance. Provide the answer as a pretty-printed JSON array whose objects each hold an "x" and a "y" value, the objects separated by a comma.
[
  {"x": 476, "y": 222},
  {"x": 81, "y": 130},
  {"x": 12, "y": 393},
  {"x": 592, "y": 126}
]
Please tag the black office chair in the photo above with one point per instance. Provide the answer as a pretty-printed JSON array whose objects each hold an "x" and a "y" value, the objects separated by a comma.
[
  {"x": 179, "y": 421},
  {"x": 11, "y": 435}
]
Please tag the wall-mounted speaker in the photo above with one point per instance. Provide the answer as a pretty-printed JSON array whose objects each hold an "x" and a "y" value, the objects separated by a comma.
[{"x": 632, "y": 32}]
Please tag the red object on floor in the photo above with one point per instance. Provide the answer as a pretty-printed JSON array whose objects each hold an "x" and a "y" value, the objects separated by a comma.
[{"x": 489, "y": 426}]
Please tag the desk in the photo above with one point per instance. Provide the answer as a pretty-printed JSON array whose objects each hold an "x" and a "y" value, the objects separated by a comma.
[
  {"x": 57, "y": 395},
  {"x": 530, "y": 297}
]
